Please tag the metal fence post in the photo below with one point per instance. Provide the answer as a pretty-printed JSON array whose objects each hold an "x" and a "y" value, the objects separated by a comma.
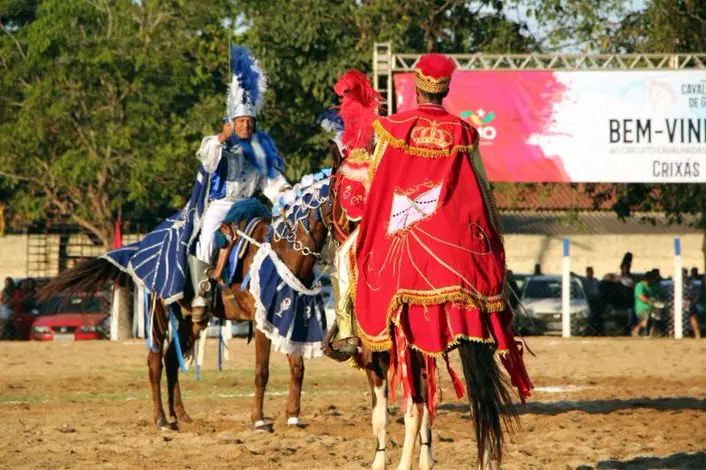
[
  {"x": 566, "y": 293},
  {"x": 678, "y": 292}
]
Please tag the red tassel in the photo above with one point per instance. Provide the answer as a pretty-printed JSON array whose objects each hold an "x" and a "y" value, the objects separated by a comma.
[
  {"x": 515, "y": 367},
  {"x": 433, "y": 395},
  {"x": 455, "y": 380},
  {"x": 392, "y": 378}
]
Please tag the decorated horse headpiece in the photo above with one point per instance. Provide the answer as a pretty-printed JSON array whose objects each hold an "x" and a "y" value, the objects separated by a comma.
[{"x": 248, "y": 84}]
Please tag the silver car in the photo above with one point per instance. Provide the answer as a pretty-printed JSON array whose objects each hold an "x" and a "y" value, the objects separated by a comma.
[{"x": 540, "y": 312}]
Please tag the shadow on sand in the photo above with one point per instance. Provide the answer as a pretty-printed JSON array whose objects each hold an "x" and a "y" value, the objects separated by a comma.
[
  {"x": 597, "y": 406},
  {"x": 682, "y": 460}
]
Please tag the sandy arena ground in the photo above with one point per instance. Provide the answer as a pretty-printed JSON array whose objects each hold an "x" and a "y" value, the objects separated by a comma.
[{"x": 600, "y": 403}]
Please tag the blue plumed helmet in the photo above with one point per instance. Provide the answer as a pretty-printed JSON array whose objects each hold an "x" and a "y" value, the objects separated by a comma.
[{"x": 248, "y": 84}]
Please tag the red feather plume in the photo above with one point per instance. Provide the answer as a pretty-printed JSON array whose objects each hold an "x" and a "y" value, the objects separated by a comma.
[{"x": 358, "y": 109}]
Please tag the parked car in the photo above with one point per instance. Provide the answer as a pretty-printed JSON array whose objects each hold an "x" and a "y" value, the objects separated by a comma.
[
  {"x": 541, "y": 299},
  {"x": 239, "y": 329},
  {"x": 73, "y": 318}
]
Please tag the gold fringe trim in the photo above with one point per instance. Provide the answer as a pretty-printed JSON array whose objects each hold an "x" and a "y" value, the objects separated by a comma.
[
  {"x": 453, "y": 344},
  {"x": 455, "y": 295},
  {"x": 358, "y": 156},
  {"x": 386, "y": 137}
]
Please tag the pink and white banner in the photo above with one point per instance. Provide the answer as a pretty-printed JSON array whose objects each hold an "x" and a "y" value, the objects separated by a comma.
[{"x": 587, "y": 126}]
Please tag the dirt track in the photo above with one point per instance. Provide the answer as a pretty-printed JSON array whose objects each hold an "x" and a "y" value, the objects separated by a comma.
[{"x": 600, "y": 403}]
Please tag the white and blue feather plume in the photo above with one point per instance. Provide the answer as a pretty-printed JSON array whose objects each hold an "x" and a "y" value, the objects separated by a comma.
[
  {"x": 248, "y": 84},
  {"x": 331, "y": 121}
]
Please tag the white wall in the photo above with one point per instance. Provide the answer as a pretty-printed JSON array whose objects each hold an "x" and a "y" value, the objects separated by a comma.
[
  {"x": 603, "y": 252},
  {"x": 13, "y": 257}
]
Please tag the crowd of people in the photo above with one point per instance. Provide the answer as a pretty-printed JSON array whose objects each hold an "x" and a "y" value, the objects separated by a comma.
[{"x": 640, "y": 295}]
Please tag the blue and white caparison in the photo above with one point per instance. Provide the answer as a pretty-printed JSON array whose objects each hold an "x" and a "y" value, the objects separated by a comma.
[{"x": 290, "y": 314}]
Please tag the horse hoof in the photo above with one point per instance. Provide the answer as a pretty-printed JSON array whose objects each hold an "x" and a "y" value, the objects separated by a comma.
[
  {"x": 295, "y": 423},
  {"x": 164, "y": 425},
  {"x": 261, "y": 426}
]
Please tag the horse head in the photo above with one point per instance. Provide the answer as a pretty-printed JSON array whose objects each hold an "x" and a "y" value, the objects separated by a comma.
[{"x": 300, "y": 230}]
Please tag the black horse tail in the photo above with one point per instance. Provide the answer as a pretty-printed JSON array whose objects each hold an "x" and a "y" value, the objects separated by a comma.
[
  {"x": 88, "y": 276},
  {"x": 489, "y": 395}
]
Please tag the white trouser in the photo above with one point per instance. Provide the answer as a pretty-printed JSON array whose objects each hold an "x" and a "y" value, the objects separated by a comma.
[{"x": 212, "y": 219}]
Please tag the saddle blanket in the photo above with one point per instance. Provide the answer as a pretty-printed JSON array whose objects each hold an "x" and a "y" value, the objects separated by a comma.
[{"x": 291, "y": 315}]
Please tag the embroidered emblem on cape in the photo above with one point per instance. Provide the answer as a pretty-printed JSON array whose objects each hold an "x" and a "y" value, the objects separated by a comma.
[
  {"x": 431, "y": 136},
  {"x": 407, "y": 211}
]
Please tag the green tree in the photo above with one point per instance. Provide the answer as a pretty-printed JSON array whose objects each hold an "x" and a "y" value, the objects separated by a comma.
[
  {"x": 305, "y": 45},
  {"x": 103, "y": 104}
]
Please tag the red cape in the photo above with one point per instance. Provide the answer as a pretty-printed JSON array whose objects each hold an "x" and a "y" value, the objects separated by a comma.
[{"x": 429, "y": 256}]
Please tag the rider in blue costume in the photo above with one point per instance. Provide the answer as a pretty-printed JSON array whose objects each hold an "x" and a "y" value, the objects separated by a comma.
[
  {"x": 235, "y": 164},
  {"x": 240, "y": 161}
]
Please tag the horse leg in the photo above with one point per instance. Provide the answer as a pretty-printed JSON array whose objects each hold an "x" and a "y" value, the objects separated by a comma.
[
  {"x": 296, "y": 379},
  {"x": 154, "y": 363},
  {"x": 377, "y": 379},
  {"x": 262, "y": 374},
  {"x": 171, "y": 362},
  {"x": 426, "y": 459},
  {"x": 414, "y": 410}
]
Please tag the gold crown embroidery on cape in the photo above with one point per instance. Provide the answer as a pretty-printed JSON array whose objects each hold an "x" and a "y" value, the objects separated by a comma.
[{"x": 431, "y": 136}]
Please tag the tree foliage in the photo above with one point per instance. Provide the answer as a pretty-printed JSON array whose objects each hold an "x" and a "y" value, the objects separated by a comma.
[
  {"x": 103, "y": 102},
  {"x": 305, "y": 45}
]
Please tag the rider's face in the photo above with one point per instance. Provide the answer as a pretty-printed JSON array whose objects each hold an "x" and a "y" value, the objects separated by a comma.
[{"x": 244, "y": 126}]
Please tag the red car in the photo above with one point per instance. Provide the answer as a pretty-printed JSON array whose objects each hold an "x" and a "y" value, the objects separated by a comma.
[{"x": 76, "y": 318}]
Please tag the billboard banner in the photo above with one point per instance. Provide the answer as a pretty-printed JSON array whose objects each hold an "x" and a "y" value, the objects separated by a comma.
[{"x": 582, "y": 126}]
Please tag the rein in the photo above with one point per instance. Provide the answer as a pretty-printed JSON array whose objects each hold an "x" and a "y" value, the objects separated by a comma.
[{"x": 291, "y": 237}]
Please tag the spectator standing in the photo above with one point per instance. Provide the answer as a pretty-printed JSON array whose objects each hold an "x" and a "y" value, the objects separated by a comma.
[
  {"x": 644, "y": 300},
  {"x": 692, "y": 290},
  {"x": 7, "y": 291},
  {"x": 5, "y": 305}
]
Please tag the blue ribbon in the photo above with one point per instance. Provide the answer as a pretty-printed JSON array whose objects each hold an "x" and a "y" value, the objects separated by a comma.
[
  {"x": 175, "y": 334},
  {"x": 148, "y": 336}
]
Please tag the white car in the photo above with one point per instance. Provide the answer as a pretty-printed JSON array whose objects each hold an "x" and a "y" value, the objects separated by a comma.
[
  {"x": 238, "y": 328},
  {"x": 540, "y": 312}
]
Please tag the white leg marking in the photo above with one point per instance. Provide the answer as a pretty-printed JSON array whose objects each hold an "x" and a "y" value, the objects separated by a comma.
[
  {"x": 412, "y": 423},
  {"x": 486, "y": 463},
  {"x": 426, "y": 459},
  {"x": 293, "y": 421},
  {"x": 380, "y": 424}
]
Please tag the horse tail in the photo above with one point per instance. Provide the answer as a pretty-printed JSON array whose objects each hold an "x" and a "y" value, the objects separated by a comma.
[
  {"x": 489, "y": 395},
  {"x": 86, "y": 277}
]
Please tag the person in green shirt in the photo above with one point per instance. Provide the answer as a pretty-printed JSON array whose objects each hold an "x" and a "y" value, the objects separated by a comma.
[{"x": 645, "y": 296}]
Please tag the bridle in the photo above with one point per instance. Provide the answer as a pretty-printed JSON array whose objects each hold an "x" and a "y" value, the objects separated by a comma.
[{"x": 291, "y": 235}]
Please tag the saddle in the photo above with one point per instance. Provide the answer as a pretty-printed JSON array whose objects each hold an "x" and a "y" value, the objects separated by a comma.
[{"x": 234, "y": 241}]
